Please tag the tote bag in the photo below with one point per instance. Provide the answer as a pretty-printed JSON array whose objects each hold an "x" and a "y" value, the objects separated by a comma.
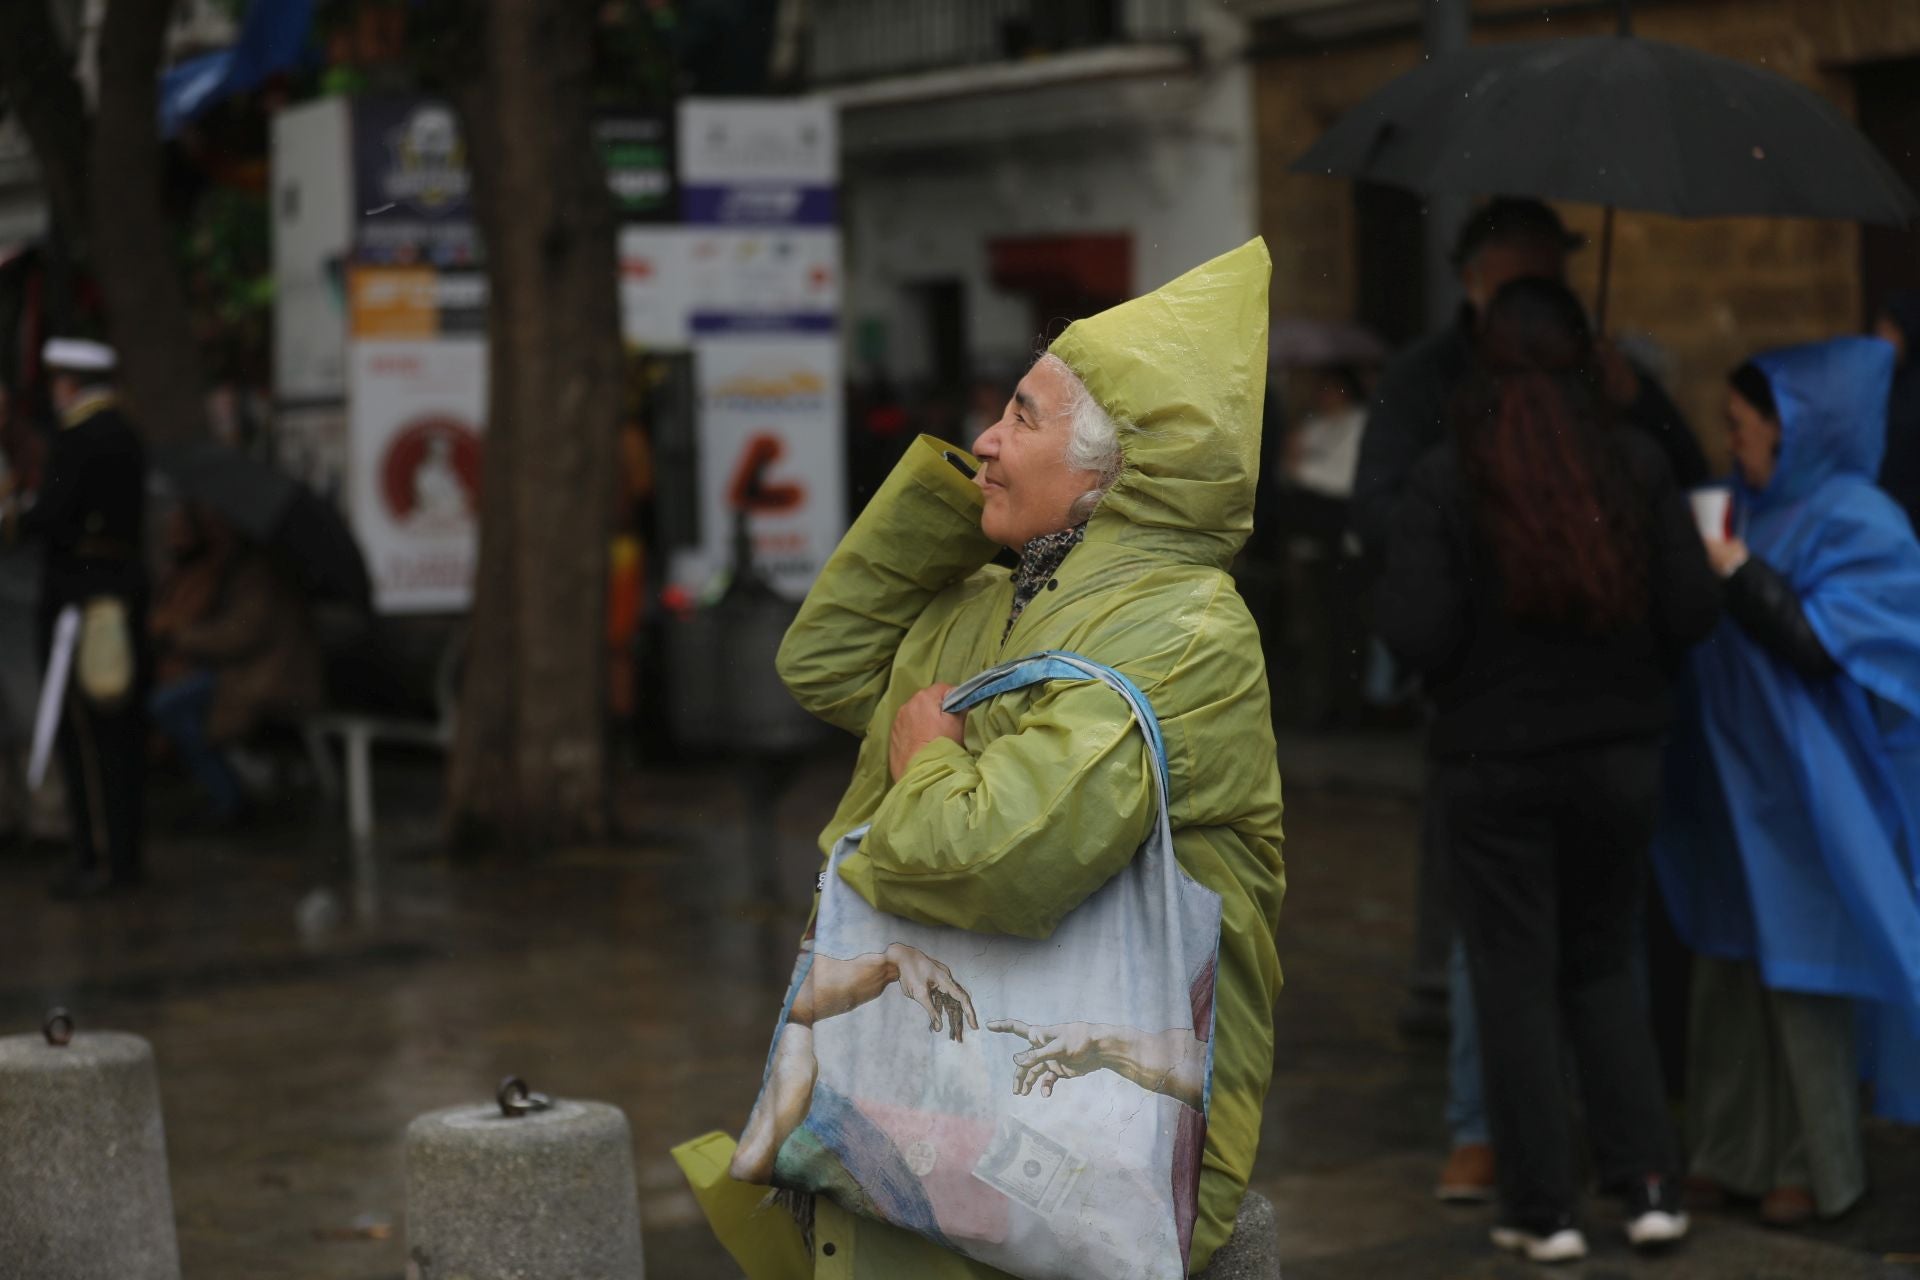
[{"x": 1036, "y": 1105}]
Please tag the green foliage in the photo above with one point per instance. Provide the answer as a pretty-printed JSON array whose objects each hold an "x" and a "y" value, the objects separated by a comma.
[{"x": 228, "y": 261}]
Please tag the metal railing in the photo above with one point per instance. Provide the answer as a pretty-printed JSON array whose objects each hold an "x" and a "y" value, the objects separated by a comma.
[{"x": 853, "y": 40}]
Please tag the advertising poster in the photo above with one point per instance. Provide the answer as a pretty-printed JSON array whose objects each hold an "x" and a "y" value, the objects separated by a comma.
[
  {"x": 676, "y": 282},
  {"x": 411, "y": 184},
  {"x": 772, "y": 162},
  {"x": 655, "y": 279},
  {"x": 770, "y": 444},
  {"x": 418, "y": 413},
  {"x": 638, "y": 153}
]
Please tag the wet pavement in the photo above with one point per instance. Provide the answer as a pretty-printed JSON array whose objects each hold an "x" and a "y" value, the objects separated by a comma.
[{"x": 301, "y": 1016}]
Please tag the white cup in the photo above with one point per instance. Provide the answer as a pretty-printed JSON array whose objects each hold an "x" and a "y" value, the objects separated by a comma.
[{"x": 1711, "y": 508}]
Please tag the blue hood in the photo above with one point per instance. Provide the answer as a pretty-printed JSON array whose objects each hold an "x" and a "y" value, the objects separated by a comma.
[{"x": 1832, "y": 398}]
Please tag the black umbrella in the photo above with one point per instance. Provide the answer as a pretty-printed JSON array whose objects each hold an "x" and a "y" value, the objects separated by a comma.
[
  {"x": 277, "y": 511},
  {"x": 1617, "y": 121}
]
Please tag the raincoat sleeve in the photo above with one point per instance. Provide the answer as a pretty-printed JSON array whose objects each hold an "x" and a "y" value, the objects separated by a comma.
[
  {"x": 1859, "y": 584},
  {"x": 1762, "y": 601},
  {"x": 1011, "y": 839},
  {"x": 918, "y": 536}
]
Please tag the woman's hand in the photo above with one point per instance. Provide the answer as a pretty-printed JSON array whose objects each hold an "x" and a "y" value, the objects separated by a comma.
[
  {"x": 1727, "y": 555},
  {"x": 918, "y": 722}
]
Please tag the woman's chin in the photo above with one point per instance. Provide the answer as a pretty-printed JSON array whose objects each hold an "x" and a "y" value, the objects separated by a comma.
[{"x": 994, "y": 526}]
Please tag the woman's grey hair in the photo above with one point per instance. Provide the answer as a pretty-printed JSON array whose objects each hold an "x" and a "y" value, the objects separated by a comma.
[{"x": 1093, "y": 439}]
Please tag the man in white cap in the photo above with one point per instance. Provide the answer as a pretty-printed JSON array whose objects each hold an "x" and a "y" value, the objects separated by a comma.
[{"x": 90, "y": 518}]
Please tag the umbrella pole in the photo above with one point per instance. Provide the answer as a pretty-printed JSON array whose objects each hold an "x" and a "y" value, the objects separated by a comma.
[{"x": 1606, "y": 271}]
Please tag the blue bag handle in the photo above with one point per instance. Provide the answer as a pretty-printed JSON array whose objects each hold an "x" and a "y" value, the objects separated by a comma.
[{"x": 1059, "y": 664}]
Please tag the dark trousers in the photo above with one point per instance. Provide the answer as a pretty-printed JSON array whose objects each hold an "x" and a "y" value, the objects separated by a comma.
[
  {"x": 180, "y": 709},
  {"x": 1547, "y": 864},
  {"x": 102, "y": 750}
]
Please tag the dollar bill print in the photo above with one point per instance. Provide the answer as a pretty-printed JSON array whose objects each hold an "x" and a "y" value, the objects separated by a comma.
[{"x": 1028, "y": 1166}]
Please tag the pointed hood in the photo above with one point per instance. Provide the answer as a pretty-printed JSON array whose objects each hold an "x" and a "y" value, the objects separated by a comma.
[
  {"x": 1184, "y": 371},
  {"x": 1832, "y": 398}
]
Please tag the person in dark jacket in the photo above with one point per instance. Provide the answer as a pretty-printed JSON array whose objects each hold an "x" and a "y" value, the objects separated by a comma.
[
  {"x": 1545, "y": 576},
  {"x": 1899, "y": 324},
  {"x": 90, "y": 518},
  {"x": 1507, "y": 239},
  {"x": 243, "y": 654}
]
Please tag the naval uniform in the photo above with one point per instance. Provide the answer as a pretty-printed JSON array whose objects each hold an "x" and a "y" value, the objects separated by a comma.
[{"x": 90, "y": 518}]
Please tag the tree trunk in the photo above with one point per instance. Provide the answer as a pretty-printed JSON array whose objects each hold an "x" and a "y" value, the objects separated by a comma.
[
  {"x": 130, "y": 238},
  {"x": 36, "y": 78},
  {"x": 528, "y": 766}
]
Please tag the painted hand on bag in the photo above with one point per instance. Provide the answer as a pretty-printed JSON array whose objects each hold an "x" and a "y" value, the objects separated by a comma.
[
  {"x": 931, "y": 985},
  {"x": 1060, "y": 1052},
  {"x": 1170, "y": 1062},
  {"x": 918, "y": 722},
  {"x": 835, "y": 986}
]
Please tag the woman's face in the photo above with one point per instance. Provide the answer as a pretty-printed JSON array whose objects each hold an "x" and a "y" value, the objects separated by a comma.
[{"x": 1755, "y": 438}]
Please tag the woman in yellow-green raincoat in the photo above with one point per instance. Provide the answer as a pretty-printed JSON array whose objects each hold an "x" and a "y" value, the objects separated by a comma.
[{"x": 1005, "y": 820}]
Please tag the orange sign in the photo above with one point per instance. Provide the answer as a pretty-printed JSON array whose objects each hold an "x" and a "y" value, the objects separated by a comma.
[{"x": 393, "y": 302}]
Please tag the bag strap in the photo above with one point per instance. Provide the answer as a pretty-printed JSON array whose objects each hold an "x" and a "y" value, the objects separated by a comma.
[{"x": 1059, "y": 664}]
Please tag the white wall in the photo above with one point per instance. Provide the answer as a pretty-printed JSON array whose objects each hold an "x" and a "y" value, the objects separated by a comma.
[{"x": 1171, "y": 162}]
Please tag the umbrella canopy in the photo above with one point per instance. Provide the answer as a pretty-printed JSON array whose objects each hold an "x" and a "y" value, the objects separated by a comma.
[
  {"x": 1619, "y": 121},
  {"x": 277, "y": 511}
]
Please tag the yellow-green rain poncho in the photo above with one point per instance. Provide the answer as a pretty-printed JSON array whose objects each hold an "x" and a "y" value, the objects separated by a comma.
[{"x": 1051, "y": 793}]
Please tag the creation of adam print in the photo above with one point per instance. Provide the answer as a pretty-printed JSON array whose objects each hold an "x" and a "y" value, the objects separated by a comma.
[{"x": 892, "y": 1117}]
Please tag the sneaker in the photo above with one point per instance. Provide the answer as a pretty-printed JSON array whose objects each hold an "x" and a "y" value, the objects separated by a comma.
[
  {"x": 1654, "y": 1216},
  {"x": 1467, "y": 1177},
  {"x": 1564, "y": 1245}
]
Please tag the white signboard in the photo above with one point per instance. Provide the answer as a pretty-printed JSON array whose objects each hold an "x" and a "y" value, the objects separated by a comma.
[
  {"x": 655, "y": 267},
  {"x": 766, "y": 162},
  {"x": 726, "y": 140},
  {"x": 418, "y": 413},
  {"x": 312, "y": 232},
  {"x": 770, "y": 439},
  {"x": 676, "y": 282}
]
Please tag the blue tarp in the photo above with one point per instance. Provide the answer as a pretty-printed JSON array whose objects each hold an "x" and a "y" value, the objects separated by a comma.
[{"x": 272, "y": 38}]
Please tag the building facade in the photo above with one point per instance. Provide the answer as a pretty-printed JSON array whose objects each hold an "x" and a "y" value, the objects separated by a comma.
[
  {"x": 1010, "y": 165},
  {"x": 1706, "y": 293}
]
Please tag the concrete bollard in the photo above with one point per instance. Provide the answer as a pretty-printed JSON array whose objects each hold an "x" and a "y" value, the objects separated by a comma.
[
  {"x": 528, "y": 1189},
  {"x": 83, "y": 1158},
  {"x": 1252, "y": 1252}
]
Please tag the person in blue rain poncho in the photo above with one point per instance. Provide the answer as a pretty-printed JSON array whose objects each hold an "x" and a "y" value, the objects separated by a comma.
[{"x": 1790, "y": 848}]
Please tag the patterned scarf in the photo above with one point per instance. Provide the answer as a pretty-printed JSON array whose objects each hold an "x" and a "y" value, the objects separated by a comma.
[{"x": 1038, "y": 559}]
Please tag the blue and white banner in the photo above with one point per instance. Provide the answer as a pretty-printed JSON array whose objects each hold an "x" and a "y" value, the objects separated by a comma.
[{"x": 759, "y": 162}]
